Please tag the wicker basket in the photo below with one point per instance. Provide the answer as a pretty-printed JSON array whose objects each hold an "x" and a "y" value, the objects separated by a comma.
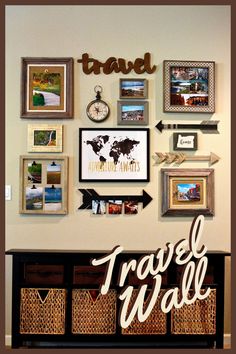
[
  {"x": 154, "y": 324},
  {"x": 197, "y": 318},
  {"x": 42, "y": 315},
  {"x": 93, "y": 315}
]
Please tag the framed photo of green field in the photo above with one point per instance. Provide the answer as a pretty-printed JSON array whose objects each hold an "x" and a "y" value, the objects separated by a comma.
[
  {"x": 43, "y": 184},
  {"x": 45, "y": 138},
  {"x": 47, "y": 88}
]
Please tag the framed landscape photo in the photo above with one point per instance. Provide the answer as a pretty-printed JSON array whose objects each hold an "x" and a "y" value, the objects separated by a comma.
[
  {"x": 132, "y": 112},
  {"x": 43, "y": 184},
  {"x": 45, "y": 138},
  {"x": 114, "y": 155},
  {"x": 47, "y": 88},
  {"x": 133, "y": 88},
  {"x": 185, "y": 141},
  {"x": 189, "y": 86},
  {"x": 187, "y": 192}
]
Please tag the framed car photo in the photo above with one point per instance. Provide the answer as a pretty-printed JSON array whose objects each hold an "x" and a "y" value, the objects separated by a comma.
[
  {"x": 47, "y": 88},
  {"x": 114, "y": 155},
  {"x": 189, "y": 86}
]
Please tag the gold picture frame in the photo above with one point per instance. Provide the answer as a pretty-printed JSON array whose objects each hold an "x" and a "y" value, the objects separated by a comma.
[{"x": 45, "y": 138}]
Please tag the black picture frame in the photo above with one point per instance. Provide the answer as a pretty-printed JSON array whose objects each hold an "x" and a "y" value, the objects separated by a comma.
[
  {"x": 189, "y": 141},
  {"x": 125, "y": 157}
]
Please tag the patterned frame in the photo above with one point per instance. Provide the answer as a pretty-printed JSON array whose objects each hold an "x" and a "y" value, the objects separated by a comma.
[{"x": 168, "y": 107}]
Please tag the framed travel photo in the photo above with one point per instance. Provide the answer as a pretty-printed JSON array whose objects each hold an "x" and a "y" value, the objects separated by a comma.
[
  {"x": 185, "y": 141},
  {"x": 47, "y": 88},
  {"x": 114, "y": 155},
  {"x": 133, "y": 88},
  {"x": 43, "y": 184},
  {"x": 187, "y": 192},
  {"x": 45, "y": 138},
  {"x": 132, "y": 112},
  {"x": 189, "y": 86}
]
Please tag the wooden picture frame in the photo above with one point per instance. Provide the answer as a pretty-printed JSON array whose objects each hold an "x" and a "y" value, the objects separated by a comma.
[
  {"x": 187, "y": 192},
  {"x": 45, "y": 138},
  {"x": 185, "y": 141},
  {"x": 47, "y": 87},
  {"x": 114, "y": 155},
  {"x": 43, "y": 184},
  {"x": 189, "y": 86},
  {"x": 133, "y": 88},
  {"x": 132, "y": 112}
]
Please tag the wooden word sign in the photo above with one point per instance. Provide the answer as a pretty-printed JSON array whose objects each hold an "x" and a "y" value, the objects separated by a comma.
[{"x": 140, "y": 65}]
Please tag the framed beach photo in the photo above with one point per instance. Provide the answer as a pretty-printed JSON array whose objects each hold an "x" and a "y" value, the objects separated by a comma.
[
  {"x": 187, "y": 192},
  {"x": 132, "y": 112},
  {"x": 189, "y": 86},
  {"x": 45, "y": 138},
  {"x": 43, "y": 184},
  {"x": 133, "y": 88},
  {"x": 47, "y": 88},
  {"x": 185, "y": 141},
  {"x": 114, "y": 155}
]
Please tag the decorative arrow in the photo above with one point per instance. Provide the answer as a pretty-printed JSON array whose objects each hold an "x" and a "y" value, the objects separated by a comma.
[
  {"x": 206, "y": 126},
  {"x": 91, "y": 194},
  {"x": 170, "y": 157}
]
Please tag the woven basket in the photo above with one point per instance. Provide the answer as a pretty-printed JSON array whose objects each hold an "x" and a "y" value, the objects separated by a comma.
[
  {"x": 42, "y": 316},
  {"x": 154, "y": 324},
  {"x": 93, "y": 315},
  {"x": 197, "y": 318}
]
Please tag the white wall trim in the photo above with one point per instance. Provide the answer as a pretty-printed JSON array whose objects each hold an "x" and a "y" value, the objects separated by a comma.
[
  {"x": 227, "y": 340},
  {"x": 8, "y": 340}
]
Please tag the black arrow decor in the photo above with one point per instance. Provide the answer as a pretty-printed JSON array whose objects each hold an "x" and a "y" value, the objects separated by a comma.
[
  {"x": 91, "y": 194},
  {"x": 206, "y": 126}
]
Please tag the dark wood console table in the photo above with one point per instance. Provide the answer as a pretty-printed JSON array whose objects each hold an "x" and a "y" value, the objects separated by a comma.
[{"x": 55, "y": 303}]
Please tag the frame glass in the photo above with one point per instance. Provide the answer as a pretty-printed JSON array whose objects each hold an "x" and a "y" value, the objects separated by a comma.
[
  {"x": 47, "y": 88},
  {"x": 114, "y": 155},
  {"x": 189, "y": 86},
  {"x": 187, "y": 192}
]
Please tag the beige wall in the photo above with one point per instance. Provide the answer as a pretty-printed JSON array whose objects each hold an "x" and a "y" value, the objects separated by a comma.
[{"x": 167, "y": 32}]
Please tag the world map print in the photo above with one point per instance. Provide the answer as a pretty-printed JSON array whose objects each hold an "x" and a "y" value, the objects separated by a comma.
[{"x": 106, "y": 147}]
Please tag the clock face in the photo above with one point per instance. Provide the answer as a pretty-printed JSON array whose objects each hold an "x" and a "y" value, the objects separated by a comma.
[{"x": 97, "y": 110}]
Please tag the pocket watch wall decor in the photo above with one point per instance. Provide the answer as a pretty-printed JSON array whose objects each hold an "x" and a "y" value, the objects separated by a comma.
[{"x": 97, "y": 110}]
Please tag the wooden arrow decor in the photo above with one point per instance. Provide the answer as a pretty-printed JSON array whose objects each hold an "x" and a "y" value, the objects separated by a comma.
[
  {"x": 206, "y": 126},
  {"x": 169, "y": 157},
  {"x": 90, "y": 194}
]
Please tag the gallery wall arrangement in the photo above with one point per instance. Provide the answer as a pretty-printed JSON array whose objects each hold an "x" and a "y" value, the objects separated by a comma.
[{"x": 120, "y": 178}]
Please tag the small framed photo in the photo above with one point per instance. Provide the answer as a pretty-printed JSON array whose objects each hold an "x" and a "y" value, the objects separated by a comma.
[
  {"x": 99, "y": 207},
  {"x": 115, "y": 206},
  {"x": 47, "y": 88},
  {"x": 43, "y": 184},
  {"x": 185, "y": 141},
  {"x": 114, "y": 155},
  {"x": 45, "y": 138},
  {"x": 132, "y": 112},
  {"x": 133, "y": 88},
  {"x": 131, "y": 207},
  {"x": 187, "y": 192},
  {"x": 189, "y": 86}
]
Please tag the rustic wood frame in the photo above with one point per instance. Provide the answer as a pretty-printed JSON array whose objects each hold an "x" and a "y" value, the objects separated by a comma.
[
  {"x": 207, "y": 174},
  {"x": 44, "y": 160},
  {"x": 120, "y": 121},
  {"x": 67, "y": 65},
  {"x": 44, "y": 148},
  {"x": 145, "y": 89},
  {"x": 168, "y": 107}
]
